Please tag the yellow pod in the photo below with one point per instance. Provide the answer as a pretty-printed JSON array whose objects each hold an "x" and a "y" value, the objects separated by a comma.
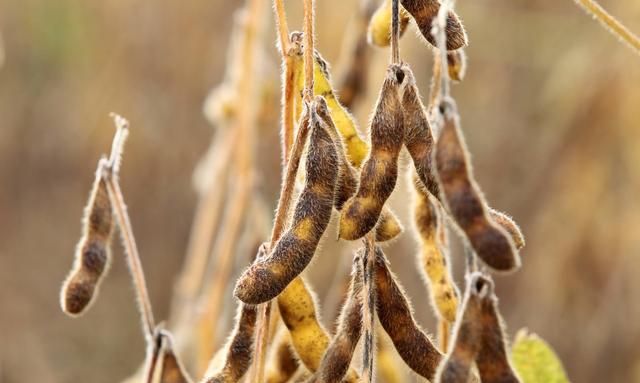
[
  {"x": 357, "y": 148},
  {"x": 309, "y": 338},
  {"x": 379, "y": 30},
  {"x": 433, "y": 259}
]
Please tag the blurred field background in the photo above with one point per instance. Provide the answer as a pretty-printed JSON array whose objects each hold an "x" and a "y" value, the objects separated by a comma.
[{"x": 550, "y": 108}]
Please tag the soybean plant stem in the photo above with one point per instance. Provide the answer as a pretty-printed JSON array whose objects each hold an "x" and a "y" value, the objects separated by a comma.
[
  {"x": 308, "y": 50},
  {"x": 395, "y": 31},
  {"x": 110, "y": 172},
  {"x": 281, "y": 25},
  {"x": 368, "y": 315},
  {"x": 611, "y": 23},
  {"x": 440, "y": 33}
]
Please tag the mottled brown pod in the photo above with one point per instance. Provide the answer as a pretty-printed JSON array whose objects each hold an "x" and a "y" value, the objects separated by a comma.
[
  {"x": 418, "y": 138},
  {"x": 336, "y": 360},
  {"x": 425, "y": 11},
  {"x": 464, "y": 199},
  {"x": 92, "y": 256},
  {"x": 396, "y": 317},
  {"x": 239, "y": 349},
  {"x": 493, "y": 361},
  {"x": 266, "y": 278},
  {"x": 171, "y": 370},
  {"x": 380, "y": 170},
  {"x": 466, "y": 342},
  {"x": 388, "y": 227}
]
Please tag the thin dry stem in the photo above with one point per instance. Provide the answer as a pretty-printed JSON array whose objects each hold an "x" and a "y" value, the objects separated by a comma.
[
  {"x": 262, "y": 337},
  {"x": 288, "y": 98},
  {"x": 281, "y": 25},
  {"x": 368, "y": 316},
  {"x": 288, "y": 74},
  {"x": 395, "y": 31},
  {"x": 110, "y": 172},
  {"x": 308, "y": 49},
  {"x": 611, "y": 23},
  {"x": 444, "y": 329},
  {"x": 439, "y": 32},
  {"x": 436, "y": 81}
]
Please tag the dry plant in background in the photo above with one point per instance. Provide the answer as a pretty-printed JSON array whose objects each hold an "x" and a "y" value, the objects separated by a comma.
[{"x": 329, "y": 172}]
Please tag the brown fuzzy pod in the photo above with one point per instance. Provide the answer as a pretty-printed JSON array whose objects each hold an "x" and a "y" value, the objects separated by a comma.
[
  {"x": 418, "y": 138},
  {"x": 465, "y": 201},
  {"x": 266, "y": 278},
  {"x": 493, "y": 360},
  {"x": 171, "y": 370},
  {"x": 425, "y": 12},
  {"x": 396, "y": 317},
  {"x": 388, "y": 227},
  {"x": 457, "y": 65},
  {"x": 380, "y": 170},
  {"x": 510, "y": 226},
  {"x": 92, "y": 256},
  {"x": 466, "y": 343},
  {"x": 336, "y": 360},
  {"x": 239, "y": 349}
]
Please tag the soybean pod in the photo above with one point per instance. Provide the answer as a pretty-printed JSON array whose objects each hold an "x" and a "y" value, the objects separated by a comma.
[
  {"x": 92, "y": 257},
  {"x": 464, "y": 199},
  {"x": 337, "y": 358},
  {"x": 267, "y": 277},
  {"x": 396, "y": 318},
  {"x": 388, "y": 227},
  {"x": 425, "y": 11},
  {"x": 380, "y": 171}
]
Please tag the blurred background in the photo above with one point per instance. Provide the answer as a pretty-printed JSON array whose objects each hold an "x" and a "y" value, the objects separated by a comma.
[{"x": 549, "y": 108}]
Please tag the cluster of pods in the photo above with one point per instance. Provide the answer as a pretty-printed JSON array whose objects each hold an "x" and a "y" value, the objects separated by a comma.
[{"x": 351, "y": 178}]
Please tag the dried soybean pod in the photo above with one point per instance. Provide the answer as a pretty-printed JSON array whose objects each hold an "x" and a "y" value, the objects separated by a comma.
[
  {"x": 357, "y": 148},
  {"x": 282, "y": 362},
  {"x": 464, "y": 199},
  {"x": 433, "y": 260},
  {"x": 388, "y": 227},
  {"x": 171, "y": 369},
  {"x": 299, "y": 313},
  {"x": 466, "y": 342},
  {"x": 379, "y": 30},
  {"x": 337, "y": 358},
  {"x": 418, "y": 137},
  {"x": 239, "y": 349},
  {"x": 380, "y": 171},
  {"x": 92, "y": 256},
  {"x": 492, "y": 360},
  {"x": 510, "y": 226},
  {"x": 266, "y": 278},
  {"x": 457, "y": 64},
  {"x": 396, "y": 317},
  {"x": 425, "y": 11}
]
